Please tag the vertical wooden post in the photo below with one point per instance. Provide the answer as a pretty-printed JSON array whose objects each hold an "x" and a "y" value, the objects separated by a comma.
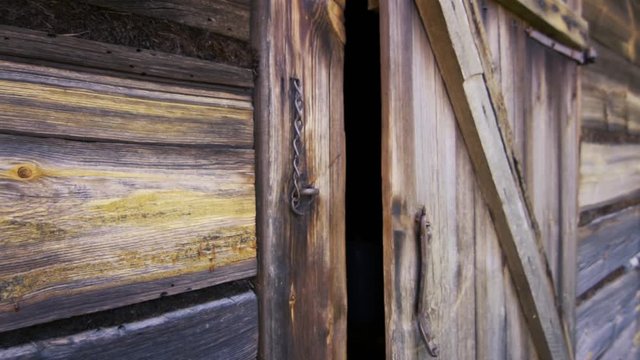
[{"x": 302, "y": 268}]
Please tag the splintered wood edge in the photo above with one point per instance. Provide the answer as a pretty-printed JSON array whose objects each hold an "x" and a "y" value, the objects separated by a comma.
[
  {"x": 449, "y": 31},
  {"x": 554, "y": 18}
]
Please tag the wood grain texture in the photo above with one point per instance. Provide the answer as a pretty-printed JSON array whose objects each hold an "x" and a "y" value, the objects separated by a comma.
[
  {"x": 541, "y": 99},
  {"x": 449, "y": 31},
  {"x": 611, "y": 93},
  {"x": 606, "y": 244},
  {"x": 302, "y": 280},
  {"x": 554, "y": 18},
  {"x": 37, "y": 45},
  {"x": 616, "y": 25},
  {"x": 602, "y": 319},
  {"x": 626, "y": 345},
  {"x": 36, "y": 100},
  {"x": 492, "y": 337},
  {"x": 76, "y": 218},
  {"x": 226, "y": 17},
  {"x": 608, "y": 173},
  {"x": 223, "y": 329},
  {"x": 424, "y": 162}
]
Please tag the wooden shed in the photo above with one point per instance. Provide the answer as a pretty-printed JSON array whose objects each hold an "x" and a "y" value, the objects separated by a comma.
[{"x": 319, "y": 179}]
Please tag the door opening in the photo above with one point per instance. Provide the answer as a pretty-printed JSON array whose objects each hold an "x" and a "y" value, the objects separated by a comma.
[{"x": 362, "y": 91}]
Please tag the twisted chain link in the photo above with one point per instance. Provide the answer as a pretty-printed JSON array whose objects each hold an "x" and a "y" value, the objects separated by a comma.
[{"x": 298, "y": 126}]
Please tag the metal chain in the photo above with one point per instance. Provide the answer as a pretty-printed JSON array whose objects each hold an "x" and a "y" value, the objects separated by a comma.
[{"x": 298, "y": 126}]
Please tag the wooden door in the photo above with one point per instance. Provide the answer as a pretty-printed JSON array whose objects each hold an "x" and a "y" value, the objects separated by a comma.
[{"x": 475, "y": 282}]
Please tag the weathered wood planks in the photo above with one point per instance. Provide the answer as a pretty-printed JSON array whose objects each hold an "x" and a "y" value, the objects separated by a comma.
[
  {"x": 451, "y": 37},
  {"x": 616, "y": 25},
  {"x": 553, "y": 17},
  {"x": 626, "y": 345},
  {"x": 606, "y": 244},
  {"x": 77, "y": 219},
  {"x": 611, "y": 93},
  {"x": 46, "y": 102},
  {"x": 602, "y": 318},
  {"x": 92, "y": 55},
  {"x": 302, "y": 279},
  {"x": 226, "y": 17},
  {"x": 223, "y": 329},
  {"x": 424, "y": 163},
  {"x": 608, "y": 173}
]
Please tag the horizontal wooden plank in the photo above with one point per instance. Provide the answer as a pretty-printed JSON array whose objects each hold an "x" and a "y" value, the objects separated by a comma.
[
  {"x": 80, "y": 217},
  {"x": 608, "y": 173},
  {"x": 552, "y": 17},
  {"x": 226, "y": 17},
  {"x": 222, "y": 329},
  {"x": 602, "y": 318},
  {"x": 35, "y": 100},
  {"x": 611, "y": 93},
  {"x": 606, "y": 244},
  {"x": 37, "y": 45},
  {"x": 626, "y": 345},
  {"x": 613, "y": 24}
]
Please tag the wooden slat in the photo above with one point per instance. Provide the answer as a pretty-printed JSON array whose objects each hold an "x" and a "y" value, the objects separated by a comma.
[
  {"x": 601, "y": 319},
  {"x": 540, "y": 99},
  {"x": 626, "y": 345},
  {"x": 37, "y": 45},
  {"x": 79, "y": 218},
  {"x": 303, "y": 267},
  {"x": 552, "y": 17},
  {"x": 417, "y": 172},
  {"x": 608, "y": 173},
  {"x": 458, "y": 60},
  {"x": 611, "y": 93},
  {"x": 569, "y": 178},
  {"x": 226, "y": 17},
  {"x": 606, "y": 244},
  {"x": 37, "y": 100},
  {"x": 222, "y": 329},
  {"x": 491, "y": 302},
  {"x": 613, "y": 24}
]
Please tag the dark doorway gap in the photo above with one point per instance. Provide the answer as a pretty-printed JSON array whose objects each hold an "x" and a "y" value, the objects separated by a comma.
[{"x": 362, "y": 91}]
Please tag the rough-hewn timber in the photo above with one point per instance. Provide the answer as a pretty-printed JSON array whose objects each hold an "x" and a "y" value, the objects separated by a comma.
[
  {"x": 56, "y": 103},
  {"x": 222, "y": 329},
  {"x": 449, "y": 31},
  {"x": 602, "y": 318},
  {"x": 608, "y": 173},
  {"x": 554, "y": 17},
  {"x": 78, "y": 218},
  {"x": 302, "y": 277},
  {"x": 606, "y": 244},
  {"x": 38, "y": 46},
  {"x": 226, "y": 17}
]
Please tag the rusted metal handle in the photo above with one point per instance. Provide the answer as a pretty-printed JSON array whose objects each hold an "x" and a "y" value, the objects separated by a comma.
[{"x": 424, "y": 322}]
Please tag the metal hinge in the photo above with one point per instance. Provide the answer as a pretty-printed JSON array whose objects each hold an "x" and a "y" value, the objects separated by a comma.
[{"x": 585, "y": 57}]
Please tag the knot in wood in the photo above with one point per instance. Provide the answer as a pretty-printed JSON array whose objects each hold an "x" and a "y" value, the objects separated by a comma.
[{"x": 24, "y": 172}]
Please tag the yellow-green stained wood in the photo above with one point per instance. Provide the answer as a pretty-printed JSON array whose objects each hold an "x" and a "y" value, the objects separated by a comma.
[
  {"x": 36, "y": 100},
  {"x": 553, "y": 17},
  {"x": 80, "y": 218}
]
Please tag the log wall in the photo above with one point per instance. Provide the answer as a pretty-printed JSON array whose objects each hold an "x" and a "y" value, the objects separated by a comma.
[
  {"x": 608, "y": 287},
  {"x": 127, "y": 175}
]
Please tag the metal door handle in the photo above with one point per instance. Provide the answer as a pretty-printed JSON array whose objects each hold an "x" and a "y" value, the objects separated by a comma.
[{"x": 424, "y": 322}]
